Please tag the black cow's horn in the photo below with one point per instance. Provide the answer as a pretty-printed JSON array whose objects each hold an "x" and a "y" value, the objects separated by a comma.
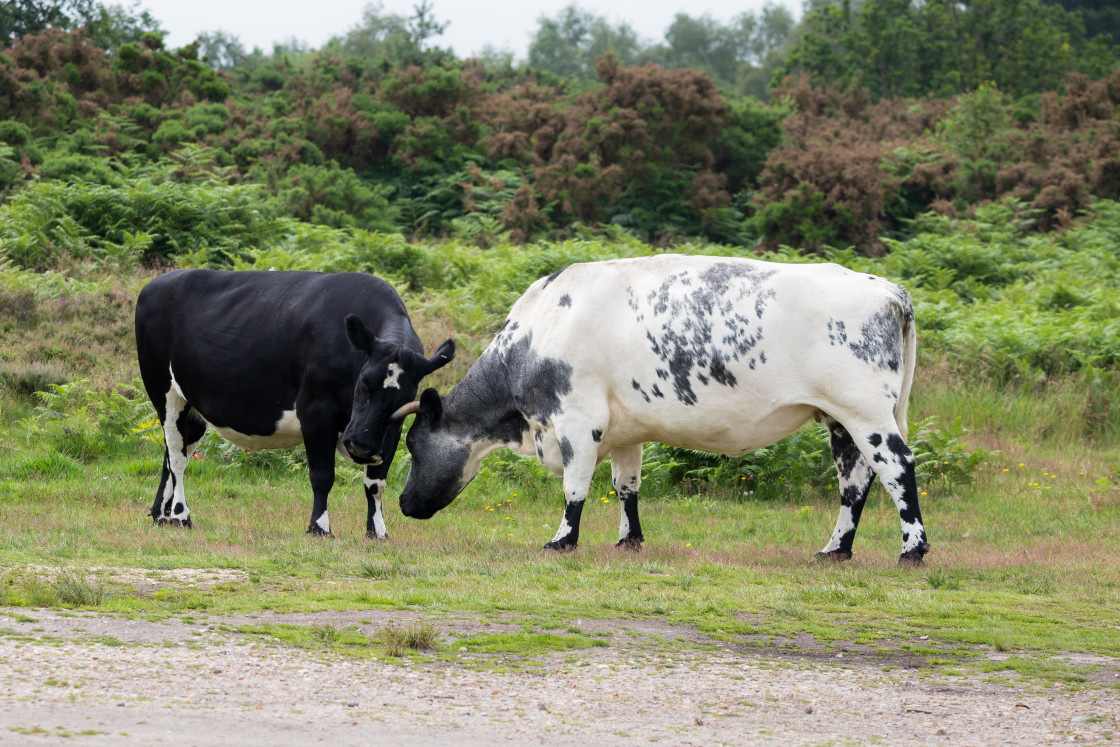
[{"x": 410, "y": 409}]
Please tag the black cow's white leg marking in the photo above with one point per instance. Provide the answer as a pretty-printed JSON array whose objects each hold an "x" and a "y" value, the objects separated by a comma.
[
  {"x": 855, "y": 476},
  {"x": 182, "y": 430},
  {"x": 579, "y": 454},
  {"x": 320, "y": 466},
  {"x": 375, "y": 493},
  {"x": 626, "y": 474},
  {"x": 893, "y": 462}
]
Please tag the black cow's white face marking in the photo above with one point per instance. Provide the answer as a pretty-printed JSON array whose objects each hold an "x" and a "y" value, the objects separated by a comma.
[{"x": 389, "y": 380}]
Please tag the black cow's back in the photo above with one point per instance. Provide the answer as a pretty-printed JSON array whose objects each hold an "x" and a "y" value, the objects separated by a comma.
[{"x": 243, "y": 345}]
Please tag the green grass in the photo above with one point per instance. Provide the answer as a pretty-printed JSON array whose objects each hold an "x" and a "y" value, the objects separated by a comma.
[{"x": 1021, "y": 558}]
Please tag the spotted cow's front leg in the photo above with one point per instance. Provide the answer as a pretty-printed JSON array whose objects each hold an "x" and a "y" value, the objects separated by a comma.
[
  {"x": 182, "y": 430},
  {"x": 578, "y": 452},
  {"x": 626, "y": 474},
  {"x": 855, "y": 476},
  {"x": 891, "y": 459}
]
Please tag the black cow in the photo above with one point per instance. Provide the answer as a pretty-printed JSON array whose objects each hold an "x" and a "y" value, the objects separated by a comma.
[{"x": 274, "y": 359}]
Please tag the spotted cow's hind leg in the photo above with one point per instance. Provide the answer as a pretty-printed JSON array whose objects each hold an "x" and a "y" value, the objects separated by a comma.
[
  {"x": 893, "y": 462},
  {"x": 182, "y": 430},
  {"x": 855, "y": 476},
  {"x": 626, "y": 474}
]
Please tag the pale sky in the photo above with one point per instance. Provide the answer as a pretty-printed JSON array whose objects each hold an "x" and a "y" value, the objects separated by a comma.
[{"x": 503, "y": 24}]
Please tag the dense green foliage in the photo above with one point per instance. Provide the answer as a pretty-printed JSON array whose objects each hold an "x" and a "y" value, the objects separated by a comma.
[{"x": 381, "y": 130}]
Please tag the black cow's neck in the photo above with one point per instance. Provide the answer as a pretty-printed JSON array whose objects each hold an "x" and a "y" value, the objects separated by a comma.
[
  {"x": 483, "y": 404},
  {"x": 398, "y": 331}
]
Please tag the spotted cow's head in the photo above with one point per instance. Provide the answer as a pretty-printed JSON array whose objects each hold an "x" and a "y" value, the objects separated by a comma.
[
  {"x": 444, "y": 459},
  {"x": 386, "y": 385}
]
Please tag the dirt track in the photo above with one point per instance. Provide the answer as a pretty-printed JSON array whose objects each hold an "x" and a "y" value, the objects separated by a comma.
[{"x": 69, "y": 679}]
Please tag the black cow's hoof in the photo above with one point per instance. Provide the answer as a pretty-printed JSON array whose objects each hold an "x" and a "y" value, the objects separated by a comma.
[
  {"x": 375, "y": 536},
  {"x": 835, "y": 556},
  {"x": 633, "y": 544},
  {"x": 560, "y": 546},
  {"x": 915, "y": 557},
  {"x": 315, "y": 530}
]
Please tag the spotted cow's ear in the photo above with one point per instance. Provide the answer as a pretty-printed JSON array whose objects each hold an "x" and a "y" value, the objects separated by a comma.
[
  {"x": 359, "y": 335},
  {"x": 431, "y": 405},
  {"x": 444, "y": 354}
]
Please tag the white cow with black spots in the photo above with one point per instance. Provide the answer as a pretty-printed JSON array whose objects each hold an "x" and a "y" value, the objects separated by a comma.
[{"x": 709, "y": 353}]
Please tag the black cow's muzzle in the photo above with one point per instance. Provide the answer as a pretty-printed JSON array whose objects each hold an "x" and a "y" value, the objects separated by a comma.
[{"x": 361, "y": 454}]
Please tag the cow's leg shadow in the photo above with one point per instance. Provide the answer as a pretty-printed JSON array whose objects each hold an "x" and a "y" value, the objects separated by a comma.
[
  {"x": 579, "y": 453},
  {"x": 626, "y": 474},
  {"x": 885, "y": 452},
  {"x": 183, "y": 428}
]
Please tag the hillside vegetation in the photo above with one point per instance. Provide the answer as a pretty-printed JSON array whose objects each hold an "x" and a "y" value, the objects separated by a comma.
[{"x": 382, "y": 131}]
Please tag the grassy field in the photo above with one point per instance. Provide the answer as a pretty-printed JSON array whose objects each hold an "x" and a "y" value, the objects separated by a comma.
[
  {"x": 1024, "y": 523},
  {"x": 1023, "y": 557}
]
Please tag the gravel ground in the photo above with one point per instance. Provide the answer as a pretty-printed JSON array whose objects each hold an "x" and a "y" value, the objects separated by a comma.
[{"x": 67, "y": 678}]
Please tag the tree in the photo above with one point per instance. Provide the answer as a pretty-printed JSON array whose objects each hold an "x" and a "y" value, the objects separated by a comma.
[
  {"x": 390, "y": 37},
  {"x": 221, "y": 50},
  {"x": 22, "y": 17},
  {"x": 944, "y": 47},
  {"x": 1099, "y": 16},
  {"x": 569, "y": 44},
  {"x": 741, "y": 54}
]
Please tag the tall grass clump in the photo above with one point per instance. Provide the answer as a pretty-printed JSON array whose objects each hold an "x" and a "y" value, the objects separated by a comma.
[{"x": 398, "y": 640}]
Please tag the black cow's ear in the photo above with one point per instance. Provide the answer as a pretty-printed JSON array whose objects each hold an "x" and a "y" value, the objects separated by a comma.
[
  {"x": 431, "y": 405},
  {"x": 444, "y": 354},
  {"x": 360, "y": 336}
]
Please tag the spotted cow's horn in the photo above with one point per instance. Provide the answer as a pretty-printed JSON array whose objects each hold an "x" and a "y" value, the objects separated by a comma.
[{"x": 410, "y": 409}]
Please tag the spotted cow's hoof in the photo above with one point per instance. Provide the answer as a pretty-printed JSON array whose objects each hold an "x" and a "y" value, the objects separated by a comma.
[
  {"x": 561, "y": 546},
  {"x": 317, "y": 531},
  {"x": 173, "y": 522},
  {"x": 375, "y": 536},
  {"x": 633, "y": 544},
  {"x": 915, "y": 557},
  {"x": 835, "y": 556}
]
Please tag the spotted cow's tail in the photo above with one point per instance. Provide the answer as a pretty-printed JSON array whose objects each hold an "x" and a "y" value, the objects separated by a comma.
[{"x": 909, "y": 360}]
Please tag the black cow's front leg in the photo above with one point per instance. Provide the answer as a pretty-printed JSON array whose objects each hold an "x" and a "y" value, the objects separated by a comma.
[
  {"x": 375, "y": 480},
  {"x": 626, "y": 474},
  {"x": 320, "y": 466}
]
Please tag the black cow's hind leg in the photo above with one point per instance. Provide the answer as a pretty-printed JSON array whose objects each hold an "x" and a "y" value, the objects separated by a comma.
[
  {"x": 182, "y": 430},
  {"x": 855, "y": 476},
  {"x": 626, "y": 474}
]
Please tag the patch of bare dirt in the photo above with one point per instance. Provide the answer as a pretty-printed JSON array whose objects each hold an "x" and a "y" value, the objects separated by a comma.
[{"x": 198, "y": 681}]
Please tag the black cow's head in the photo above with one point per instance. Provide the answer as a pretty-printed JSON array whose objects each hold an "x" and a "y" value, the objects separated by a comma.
[
  {"x": 444, "y": 459},
  {"x": 386, "y": 385}
]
